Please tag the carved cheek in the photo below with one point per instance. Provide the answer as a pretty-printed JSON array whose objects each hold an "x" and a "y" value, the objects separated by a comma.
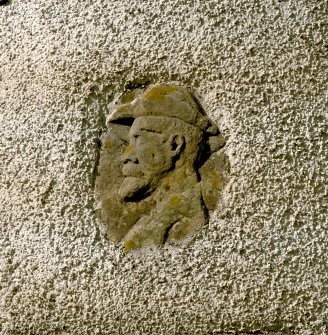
[{"x": 153, "y": 157}]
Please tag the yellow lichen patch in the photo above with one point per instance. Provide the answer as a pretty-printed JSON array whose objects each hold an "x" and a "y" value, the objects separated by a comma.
[
  {"x": 129, "y": 245},
  {"x": 133, "y": 243},
  {"x": 128, "y": 149},
  {"x": 107, "y": 144},
  {"x": 123, "y": 109},
  {"x": 174, "y": 200},
  {"x": 159, "y": 92}
]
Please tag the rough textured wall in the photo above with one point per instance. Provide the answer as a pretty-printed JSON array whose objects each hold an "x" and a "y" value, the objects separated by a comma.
[{"x": 260, "y": 68}]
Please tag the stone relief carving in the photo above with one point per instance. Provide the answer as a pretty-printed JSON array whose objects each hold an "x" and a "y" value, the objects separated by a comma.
[{"x": 159, "y": 170}]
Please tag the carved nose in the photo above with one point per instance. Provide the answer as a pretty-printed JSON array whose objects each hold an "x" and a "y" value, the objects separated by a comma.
[{"x": 129, "y": 155}]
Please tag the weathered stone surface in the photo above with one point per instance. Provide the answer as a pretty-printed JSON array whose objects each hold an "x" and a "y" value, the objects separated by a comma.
[
  {"x": 152, "y": 192},
  {"x": 260, "y": 70}
]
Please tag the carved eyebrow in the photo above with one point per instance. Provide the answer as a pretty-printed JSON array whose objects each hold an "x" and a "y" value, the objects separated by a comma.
[{"x": 150, "y": 131}]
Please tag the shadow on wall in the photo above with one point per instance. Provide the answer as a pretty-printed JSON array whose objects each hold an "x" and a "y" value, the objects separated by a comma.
[{"x": 5, "y": 2}]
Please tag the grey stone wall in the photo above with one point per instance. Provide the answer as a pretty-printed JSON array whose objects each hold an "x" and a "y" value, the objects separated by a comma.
[{"x": 260, "y": 70}]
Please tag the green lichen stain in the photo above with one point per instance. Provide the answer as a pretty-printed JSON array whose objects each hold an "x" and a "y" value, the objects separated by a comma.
[
  {"x": 107, "y": 144},
  {"x": 215, "y": 179},
  {"x": 128, "y": 97},
  {"x": 159, "y": 92}
]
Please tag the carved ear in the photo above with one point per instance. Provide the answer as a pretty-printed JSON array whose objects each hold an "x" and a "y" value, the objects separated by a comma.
[{"x": 176, "y": 143}]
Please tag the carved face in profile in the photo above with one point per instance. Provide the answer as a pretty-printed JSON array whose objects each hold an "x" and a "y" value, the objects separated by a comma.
[
  {"x": 166, "y": 179},
  {"x": 149, "y": 156}
]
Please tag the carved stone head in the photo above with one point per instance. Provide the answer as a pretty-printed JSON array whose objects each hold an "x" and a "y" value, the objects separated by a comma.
[{"x": 158, "y": 183}]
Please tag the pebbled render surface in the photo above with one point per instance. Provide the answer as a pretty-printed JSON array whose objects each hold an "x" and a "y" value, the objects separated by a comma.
[{"x": 260, "y": 69}]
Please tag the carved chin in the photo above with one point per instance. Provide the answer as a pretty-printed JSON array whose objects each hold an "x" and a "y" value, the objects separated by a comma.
[{"x": 133, "y": 188}]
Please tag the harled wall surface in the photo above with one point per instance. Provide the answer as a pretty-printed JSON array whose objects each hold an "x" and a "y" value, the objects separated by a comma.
[{"x": 260, "y": 70}]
